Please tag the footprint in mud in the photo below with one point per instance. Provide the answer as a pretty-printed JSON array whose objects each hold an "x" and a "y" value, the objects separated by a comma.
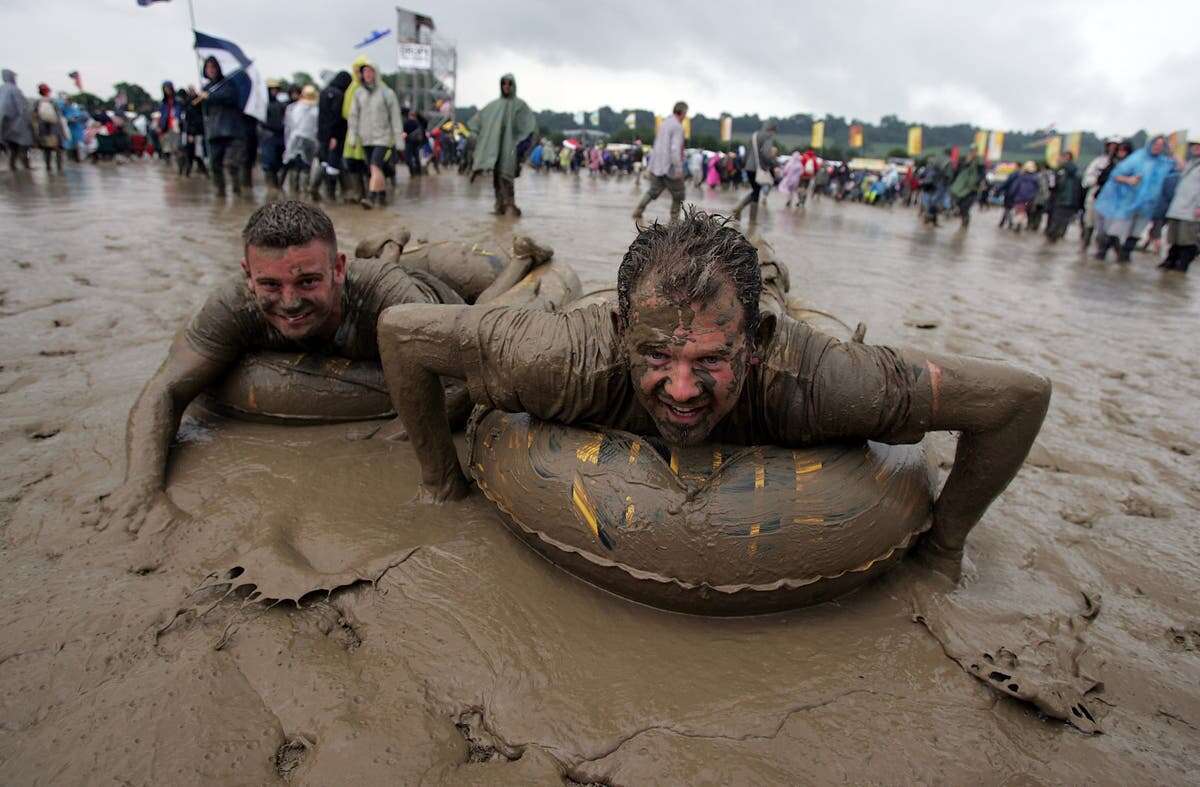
[
  {"x": 56, "y": 353},
  {"x": 42, "y": 432},
  {"x": 1184, "y": 639},
  {"x": 1136, "y": 505},
  {"x": 84, "y": 280},
  {"x": 23, "y": 265}
]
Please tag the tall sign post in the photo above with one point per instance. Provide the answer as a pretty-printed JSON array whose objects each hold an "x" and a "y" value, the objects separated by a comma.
[{"x": 427, "y": 65}]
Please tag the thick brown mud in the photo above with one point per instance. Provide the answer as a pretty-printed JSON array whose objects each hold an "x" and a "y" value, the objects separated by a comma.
[{"x": 431, "y": 646}]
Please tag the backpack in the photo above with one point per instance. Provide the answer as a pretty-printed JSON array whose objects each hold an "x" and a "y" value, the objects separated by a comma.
[{"x": 46, "y": 111}]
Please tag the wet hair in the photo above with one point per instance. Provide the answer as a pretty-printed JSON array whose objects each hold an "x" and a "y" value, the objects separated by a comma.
[
  {"x": 680, "y": 106},
  {"x": 281, "y": 225},
  {"x": 691, "y": 259}
]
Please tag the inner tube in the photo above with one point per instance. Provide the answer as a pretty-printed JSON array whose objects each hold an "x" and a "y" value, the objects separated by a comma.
[
  {"x": 709, "y": 530},
  {"x": 300, "y": 388}
]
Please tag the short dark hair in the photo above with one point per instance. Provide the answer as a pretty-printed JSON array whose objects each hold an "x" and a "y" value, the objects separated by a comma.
[
  {"x": 680, "y": 106},
  {"x": 691, "y": 258},
  {"x": 280, "y": 225}
]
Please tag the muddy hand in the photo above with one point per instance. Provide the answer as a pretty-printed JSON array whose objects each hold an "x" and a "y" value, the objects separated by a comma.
[
  {"x": 129, "y": 503},
  {"x": 159, "y": 524}
]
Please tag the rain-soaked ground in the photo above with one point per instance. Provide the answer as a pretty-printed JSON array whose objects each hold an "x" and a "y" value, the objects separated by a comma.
[{"x": 471, "y": 660}]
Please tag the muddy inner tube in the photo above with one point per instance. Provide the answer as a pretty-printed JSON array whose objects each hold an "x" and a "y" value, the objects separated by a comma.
[
  {"x": 300, "y": 388},
  {"x": 711, "y": 530}
]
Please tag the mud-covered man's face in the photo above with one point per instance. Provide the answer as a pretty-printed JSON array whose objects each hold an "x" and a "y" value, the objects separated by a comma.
[
  {"x": 688, "y": 361},
  {"x": 298, "y": 289}
]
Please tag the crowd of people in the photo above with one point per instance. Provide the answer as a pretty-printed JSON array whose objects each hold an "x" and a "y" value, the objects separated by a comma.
[{"x": 349, "y": 138}]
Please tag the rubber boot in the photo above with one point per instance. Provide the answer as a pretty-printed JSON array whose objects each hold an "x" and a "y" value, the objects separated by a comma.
[
  {"x": 737, "y": 211},
  {"x": 330, "y": 187},
  {"x": 641, "y": 206},
  {"x": 218, "y": 179},
  {"x": 1102, "y": 246},
  {"x": 1125, "y": 249},
  {"x": 1087, "y": 236},
  {"x": 753, "y": 213}
]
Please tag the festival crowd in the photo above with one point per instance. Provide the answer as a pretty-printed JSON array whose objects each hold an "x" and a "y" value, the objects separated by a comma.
[{"x": 349, "y": 138}]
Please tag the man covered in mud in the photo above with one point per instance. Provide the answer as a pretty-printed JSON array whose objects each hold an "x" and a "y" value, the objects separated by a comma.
[
  {"x": 296, "y": 293},
  {"x": 687, "y": 355}
]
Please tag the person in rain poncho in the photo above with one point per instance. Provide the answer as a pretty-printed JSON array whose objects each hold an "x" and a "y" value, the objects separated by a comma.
[
  {"x": 501, "y": 129},
  {"x": 354, "y": 158},
  {"x": 375, "y": 122},
  {"x": 1126, "y": 203},
  {"x": 760, "y": 156},
  {"x": 300, "y": 135},
  {"x": 16, "y": 122},
  {"x": 1183, "y": 215}
]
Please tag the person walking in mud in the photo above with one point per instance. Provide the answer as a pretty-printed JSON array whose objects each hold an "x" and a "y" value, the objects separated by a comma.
[
  {"x": 296, "y": 293},
  {"x": 16, "y": 121},
  {"x": 666, "y": 163},
  {"x": 225, "y": 125},
  {"x": 503, "y": 132},
  {"x": 688, "y": 355},
  {"x": 760, "y": 156}
]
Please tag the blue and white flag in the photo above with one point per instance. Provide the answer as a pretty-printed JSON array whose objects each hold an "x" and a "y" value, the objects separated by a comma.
[
  {"x": 238, "y": 70},
  {"x": 372, "y": 38}
]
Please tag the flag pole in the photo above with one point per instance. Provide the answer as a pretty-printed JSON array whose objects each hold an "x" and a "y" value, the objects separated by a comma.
[{"x": 199, "y": 63}]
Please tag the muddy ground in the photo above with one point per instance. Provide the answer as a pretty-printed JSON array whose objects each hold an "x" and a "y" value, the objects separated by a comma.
[{"x": 460, "y": 656}]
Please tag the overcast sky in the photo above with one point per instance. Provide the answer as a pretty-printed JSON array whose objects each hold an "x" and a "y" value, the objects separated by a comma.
[{"x": 1111, "y": 67}]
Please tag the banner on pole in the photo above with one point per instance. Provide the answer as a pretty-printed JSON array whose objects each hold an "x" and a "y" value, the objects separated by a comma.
[
  {"x": 594, "y": 119},
  {"x": 981, "y": 138},
  {"x": 687, "y": 128},
  {"x": 1178, "y": 142},
  {"x": 856, "y": 136},
  {"x": 1053, "y": 150},
  {"x": 818, "y": 134},
  {"x": 995, "y": 149},
  {"x": 914, "y": 141},
  {"x": 1075, "y": 144},
  {"x": 726, "y": 128},
  {"x": 657, "y": 124}
]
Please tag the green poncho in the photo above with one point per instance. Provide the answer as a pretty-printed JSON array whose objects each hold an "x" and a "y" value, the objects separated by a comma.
[{"x": 498, "y": 128}]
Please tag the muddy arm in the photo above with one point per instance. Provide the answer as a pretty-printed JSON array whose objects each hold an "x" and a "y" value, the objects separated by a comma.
[
  {"x": 418, "y": 344},
  {"x": 998, "y": 409},
  {"x": 152, "y": 425}
]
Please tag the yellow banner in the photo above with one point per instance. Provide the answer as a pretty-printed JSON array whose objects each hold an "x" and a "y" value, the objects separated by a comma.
[
  {"x": 856, "y": 136},
  {"x": 726, "y": 128},
  {"x": 914, "y": 141},
  {"x": 818, "y": 134},
  {"x": 1053, "y": 150},
  {"x": 1178, "y": 142},
  {"x": 981, "y": 138},
  {"x": 996, "y": 146},
  {"x": 687, "y": 128},
  {"x": 1075, "y": 144},
  {"x": 657, "y": 124}
]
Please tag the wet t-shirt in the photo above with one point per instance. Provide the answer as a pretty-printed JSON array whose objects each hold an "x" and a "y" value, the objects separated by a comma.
[
  {"x": 808, "y": 388},
  {"x": 230, "y": 322}
]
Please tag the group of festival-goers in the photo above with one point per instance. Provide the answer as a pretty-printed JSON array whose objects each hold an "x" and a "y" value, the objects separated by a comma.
[{"x": 351, "y": 136}]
